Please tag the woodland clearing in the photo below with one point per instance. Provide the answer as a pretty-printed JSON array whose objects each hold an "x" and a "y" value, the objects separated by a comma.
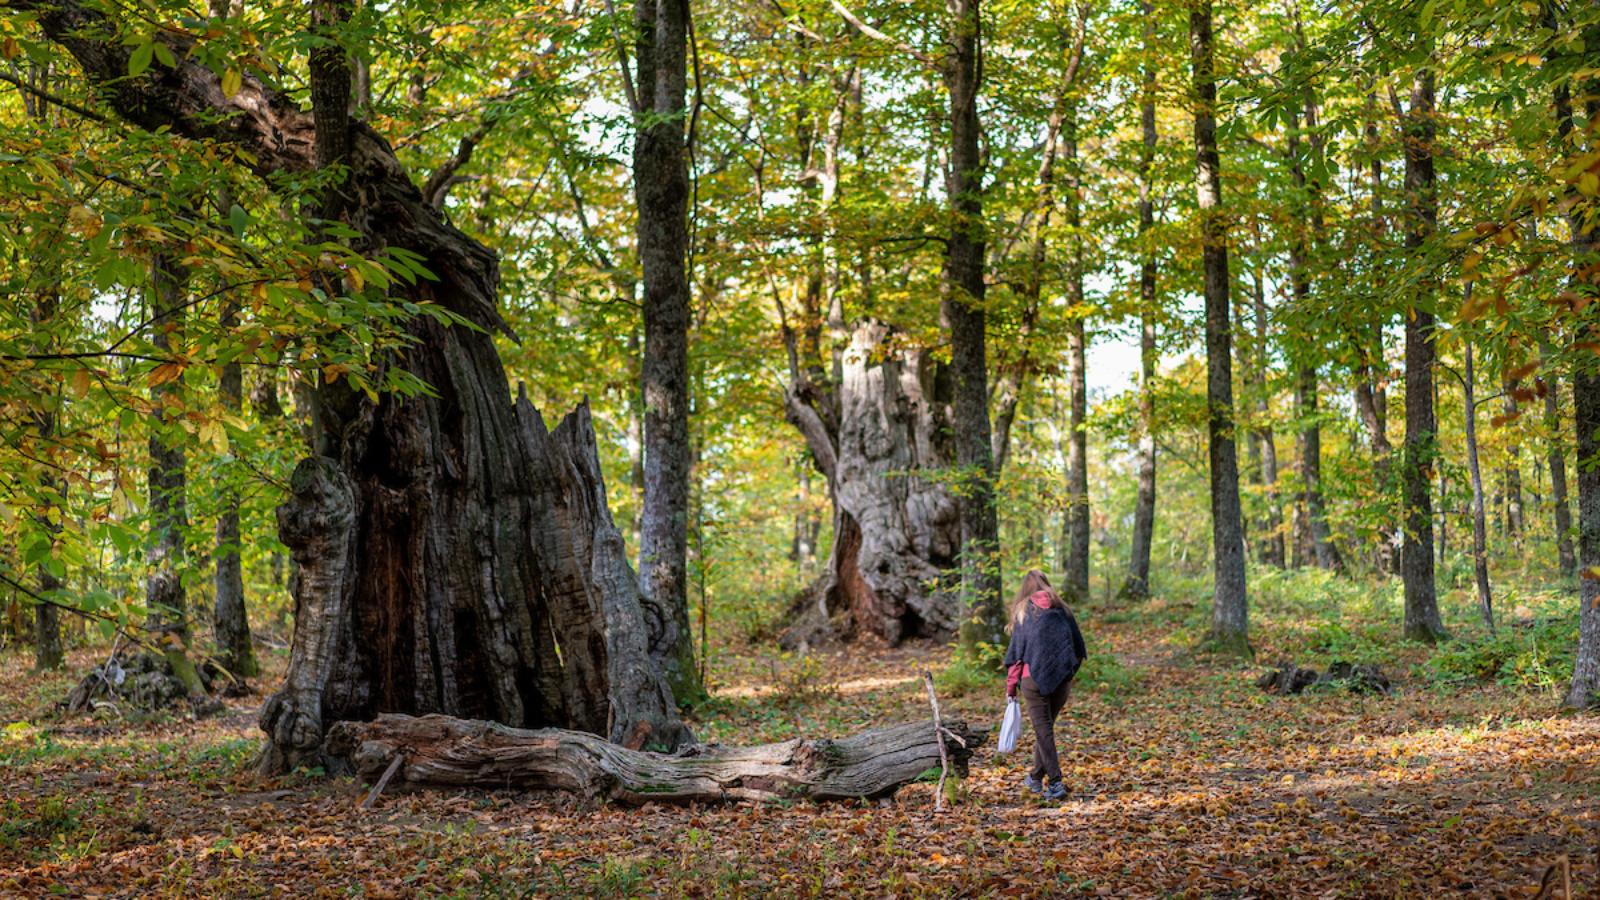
[{"x": 1187, "y": 782}]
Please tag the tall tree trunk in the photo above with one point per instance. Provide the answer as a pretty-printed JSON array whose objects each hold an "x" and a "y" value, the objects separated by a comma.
[
  {"x": 164, "y": 590},
  {"x": 164, "y": 593},
  {"x": 1272, "y": 527},
  {"x": 961, "y": 307},
  {"x": 448, "y": 544},
  {"x": 1557, "y": 460},
  {"x": 1323, "y": 550},
  {"x": 1137, "y": 586},
  {"x": 1371, "y": 399},
  {"x": 1422, "y": 620},
  {"x": 661, "y": 187},
  {"x": 47, "y": 648},
  {"x": 1230, "y": 609},
  {"x": 1309, "y": 439},
  {"x": 230, "y": 621},
  {"x": 1077, "y": 556},
  {"x": 1480, "y": 553},
  {"x": 1584, "y": 692}
]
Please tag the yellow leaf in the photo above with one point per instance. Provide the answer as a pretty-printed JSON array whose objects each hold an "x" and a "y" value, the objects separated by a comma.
[
  {"x": 9, "y": 48},
  {"x": 80, "y": 383},
  {"x": 167, "y": 371},
  {"x": 232, "y": 80}
]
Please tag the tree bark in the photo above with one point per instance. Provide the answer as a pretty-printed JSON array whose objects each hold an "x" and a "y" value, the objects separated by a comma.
[
  {"x": 1480, "y": 553},
  {"x": 1584, "y": 692},
  {"x": 1556, "y": 458},
  {"x": 230, "y": 622},
  {"x": 447, "y": 544},
  {"x": 961, "y": 308},
  {"x": 1230, "y": 611},
  {"x": 47, "y": 650},
  {"x": 1272, "y": 537},
  {"x": 440, "y": 751},
  {"x": 895, "y": 530},
  {"x": 661, "y": 188},
  {"x": 164, "y": 591},
  {"x": 1077, "y": 536},
  {"x": 1422, "y": 622},
  {"x": 1137, "y": 585},
  {"x": 1513, "y": 472}
]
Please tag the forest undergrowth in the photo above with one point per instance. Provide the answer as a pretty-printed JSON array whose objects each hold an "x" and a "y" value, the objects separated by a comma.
[{"x": 1187, "y": 781}]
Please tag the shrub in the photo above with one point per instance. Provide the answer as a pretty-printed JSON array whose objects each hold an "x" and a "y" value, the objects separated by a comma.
[{"x": 1537, "y": 656}]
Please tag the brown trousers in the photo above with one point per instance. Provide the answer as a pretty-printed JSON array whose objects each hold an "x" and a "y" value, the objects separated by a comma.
[{"x": 1042, "y": 710}]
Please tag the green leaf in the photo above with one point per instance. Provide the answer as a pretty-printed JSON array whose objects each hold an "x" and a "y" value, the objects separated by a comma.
[
  {"x": 164, "y": 53},
  {"x": 140, "y": 60},
  {"x": 238, "y": 219}
]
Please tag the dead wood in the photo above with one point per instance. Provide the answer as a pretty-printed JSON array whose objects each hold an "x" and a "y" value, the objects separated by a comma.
[{"x": 441, "y": 751}]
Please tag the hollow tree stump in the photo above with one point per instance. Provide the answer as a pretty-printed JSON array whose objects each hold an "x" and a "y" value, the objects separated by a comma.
[{"x": 441, "y": 751}]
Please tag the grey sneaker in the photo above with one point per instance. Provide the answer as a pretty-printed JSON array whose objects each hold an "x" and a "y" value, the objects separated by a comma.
[
  {"x": 1056, "y": 791},
  {"x": 1033, "y": 784}
]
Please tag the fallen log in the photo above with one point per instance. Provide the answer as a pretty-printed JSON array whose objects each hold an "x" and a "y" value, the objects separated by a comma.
[{"x": 441, "y": 751}]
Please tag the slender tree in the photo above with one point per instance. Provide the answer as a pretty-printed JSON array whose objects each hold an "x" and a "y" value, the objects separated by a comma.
[
  {"x": 1077, "y": 531},
  {"x": 1137, "y": 586},
  {"x": 1422, "y": 620},
  {"x": 1230, "y": 609},
  {"x": 1556, "y": 459},
  {"x": 661, "y": 188},
  {"x": 1480, "y": 552}
]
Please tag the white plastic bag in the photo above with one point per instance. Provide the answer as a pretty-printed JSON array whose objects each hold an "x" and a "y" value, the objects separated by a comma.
[{"x": 1011, "y": 726}]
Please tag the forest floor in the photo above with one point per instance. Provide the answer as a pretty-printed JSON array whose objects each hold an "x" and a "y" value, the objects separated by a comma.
[{"x": 1186, "y": 781}]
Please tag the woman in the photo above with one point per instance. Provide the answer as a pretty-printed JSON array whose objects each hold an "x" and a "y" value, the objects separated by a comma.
[{"x": 1045, "y": 652}]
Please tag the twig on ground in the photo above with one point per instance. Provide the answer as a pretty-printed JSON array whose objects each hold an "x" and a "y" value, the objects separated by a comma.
[
  {"x": 939, "y": 733},
  {"x": 383, "y": 782}
]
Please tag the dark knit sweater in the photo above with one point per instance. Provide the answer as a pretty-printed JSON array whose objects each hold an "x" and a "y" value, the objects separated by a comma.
[{"x": 1049, "y": 643}]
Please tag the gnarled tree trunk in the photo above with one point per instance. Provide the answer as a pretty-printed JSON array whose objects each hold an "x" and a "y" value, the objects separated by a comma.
[
  {"x": 896, "y": 530},
  {"x": 448, "y": 545}
]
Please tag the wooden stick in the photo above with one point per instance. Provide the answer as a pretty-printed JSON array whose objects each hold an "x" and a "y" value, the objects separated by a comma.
[
  {"x": 938, "y": 737},
  {"x": 394, "y": 766}
]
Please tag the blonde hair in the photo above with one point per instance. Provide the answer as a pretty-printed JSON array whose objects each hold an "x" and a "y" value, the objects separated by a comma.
[{"x": 1032, "y": 583}]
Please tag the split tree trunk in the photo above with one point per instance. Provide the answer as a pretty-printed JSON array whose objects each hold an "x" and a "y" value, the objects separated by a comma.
[
  {"x": 896, "y": 532},
  {"x": 961, "y": 307},
  {"x": 1422, "y": 620},
  {"x": 447, "y": 544},
  {"x": 661, "y": 187},
  {"x": 1137, "y": 586},
  {"x": 1230, "y": 611},
  {"x": 439, "y": 751}
]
